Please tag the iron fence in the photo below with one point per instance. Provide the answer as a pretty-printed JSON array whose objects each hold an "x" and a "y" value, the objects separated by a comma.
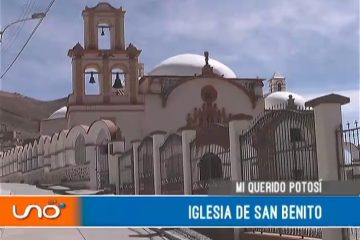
[
  {"x": 280, "y": 145},
  {"x": 352, "y": 233},
  {"x": 146, "y": 168},
  {"x": 348, "y": 147},
  {"x": 301, "y": 232},
  {"x": 210, "y": 157},
  {"x": 102, "y": 166},
  {"x": 126, "y": 173},
  {"x": 171, "y": 168}
]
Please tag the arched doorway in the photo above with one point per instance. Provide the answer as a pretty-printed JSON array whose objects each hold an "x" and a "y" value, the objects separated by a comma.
[
  {"x": 210, "y": 167},
  {"x": 102, "y": 163}
]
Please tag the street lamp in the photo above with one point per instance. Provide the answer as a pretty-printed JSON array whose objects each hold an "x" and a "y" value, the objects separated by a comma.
[{"x": 34, "y": 16}]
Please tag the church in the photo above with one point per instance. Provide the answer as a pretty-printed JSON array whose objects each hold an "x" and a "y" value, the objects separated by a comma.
[
  {"x": 173, "y": 130},
  {"x": 188, "y": 122}
]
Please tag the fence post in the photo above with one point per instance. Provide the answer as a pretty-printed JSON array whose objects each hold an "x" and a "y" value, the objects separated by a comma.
[
  {"x": 158, "y": 140},
  {"x": 187, "y": 136},
  {"x": 135, "y": 146},
  {"x": 237, "y": 124},
  {"x": 327, "y": 112}
]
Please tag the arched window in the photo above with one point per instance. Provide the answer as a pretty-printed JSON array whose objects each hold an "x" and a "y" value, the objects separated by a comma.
[
  {"x": 210, "y": 167},
  {"x": 279, "y": 86},
  {"x": 92, "y": 83},
  {"x": 80, "y": 150},
  {"x": 104, "y": 37},
  {"x": 118, "y": 81}
]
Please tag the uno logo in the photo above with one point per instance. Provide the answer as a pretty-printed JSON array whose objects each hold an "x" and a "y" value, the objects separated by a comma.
[{"x": 50, "y": 211}]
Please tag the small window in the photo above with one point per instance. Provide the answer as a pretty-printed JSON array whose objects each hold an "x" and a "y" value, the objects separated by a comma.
[
  {"x": 295, "y": 135},
  {"x": 279, "y": 86}
]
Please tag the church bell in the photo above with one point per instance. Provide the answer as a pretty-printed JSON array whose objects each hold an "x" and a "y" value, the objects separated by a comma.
[
  {"x": 117, "y": 83},
  {"x": 92, "y": 79}
]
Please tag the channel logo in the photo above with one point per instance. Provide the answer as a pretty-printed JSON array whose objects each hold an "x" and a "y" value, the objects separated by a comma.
[
  {"x": 39, "y": 211},
  {"x": 50, "y": 211}
]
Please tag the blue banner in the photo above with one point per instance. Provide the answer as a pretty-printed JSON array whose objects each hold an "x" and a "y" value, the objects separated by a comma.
[{"x": 219, "y": 211}]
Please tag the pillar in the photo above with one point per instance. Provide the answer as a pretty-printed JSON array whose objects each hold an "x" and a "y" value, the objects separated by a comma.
[
  {"x": 158, "y": 141},
  {"x": 187, "y": 135},
  {"x": 133, "y": 81},
  {"x": 327, "y": 112},
  {"x": 237, "y": 124},
  {"x": 135, "y": 146},
  {"x": 116, "y": 148}
]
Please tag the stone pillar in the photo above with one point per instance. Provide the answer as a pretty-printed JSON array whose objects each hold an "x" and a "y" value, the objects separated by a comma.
[
  {"x": 106, "y": 80},
  {"x": 158, "y": 141},
  {"x": 133, "y": 81},
  {"x": 187, "y": 135},
  {"x": 115, "y": 150},
  {"x": 119, "y": 38},
  {"x": 237, "y": 124},
  {"x": 327, "y": 111},
  {"x": 135, "y": 146}
]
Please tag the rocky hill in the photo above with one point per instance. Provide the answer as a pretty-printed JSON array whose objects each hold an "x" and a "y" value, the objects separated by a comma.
[{"x": 24, "y": 114}]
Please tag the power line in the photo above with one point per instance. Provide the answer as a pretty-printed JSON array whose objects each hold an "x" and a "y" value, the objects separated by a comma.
[
  {"x": 12, "y": 37},
  {"x": 28, "y": 40}
]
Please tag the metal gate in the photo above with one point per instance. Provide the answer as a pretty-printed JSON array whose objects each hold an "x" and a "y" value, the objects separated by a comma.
[
  {"x": 102, "y": 166},
  {"x": 348, "y": 149},
  {"x": 171, "y": 166},
  {"x": 126, "y": 173},
  {"x": 210, "y": 157},
  {"x": 281, "y": 145},
  {"x": 146, "y": 167}
]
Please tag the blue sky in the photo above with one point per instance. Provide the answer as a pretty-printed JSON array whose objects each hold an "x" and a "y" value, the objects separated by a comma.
[{"x": 314, "y": 43}]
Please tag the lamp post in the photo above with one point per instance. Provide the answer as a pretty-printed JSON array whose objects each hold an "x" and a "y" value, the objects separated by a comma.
[{"x": 33, "y": 16}]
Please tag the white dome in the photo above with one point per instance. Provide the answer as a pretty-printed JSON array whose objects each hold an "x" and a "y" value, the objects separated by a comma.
[
  {"x": 60, "y": 113},
  {"x": 188, "y": 65},
  {"x": 278, "y": 99}
]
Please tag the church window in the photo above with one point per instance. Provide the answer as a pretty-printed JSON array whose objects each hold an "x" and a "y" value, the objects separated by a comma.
[
  {"x": 279, "y": 86},
  {"x": 210, "y": 167}
]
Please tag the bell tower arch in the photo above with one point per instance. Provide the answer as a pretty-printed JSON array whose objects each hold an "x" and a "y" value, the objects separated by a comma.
[
  {"x": 100, "y": 19},
  {"x": 104, "y": 76}
]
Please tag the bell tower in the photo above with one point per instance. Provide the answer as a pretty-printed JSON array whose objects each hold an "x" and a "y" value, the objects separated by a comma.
[
  {"x": 104, "y": 70},
  {"x": 277, "y": 83}
]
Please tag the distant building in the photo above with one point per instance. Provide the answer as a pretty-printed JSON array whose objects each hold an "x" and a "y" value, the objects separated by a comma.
[{"x": 8, "y": 138}]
